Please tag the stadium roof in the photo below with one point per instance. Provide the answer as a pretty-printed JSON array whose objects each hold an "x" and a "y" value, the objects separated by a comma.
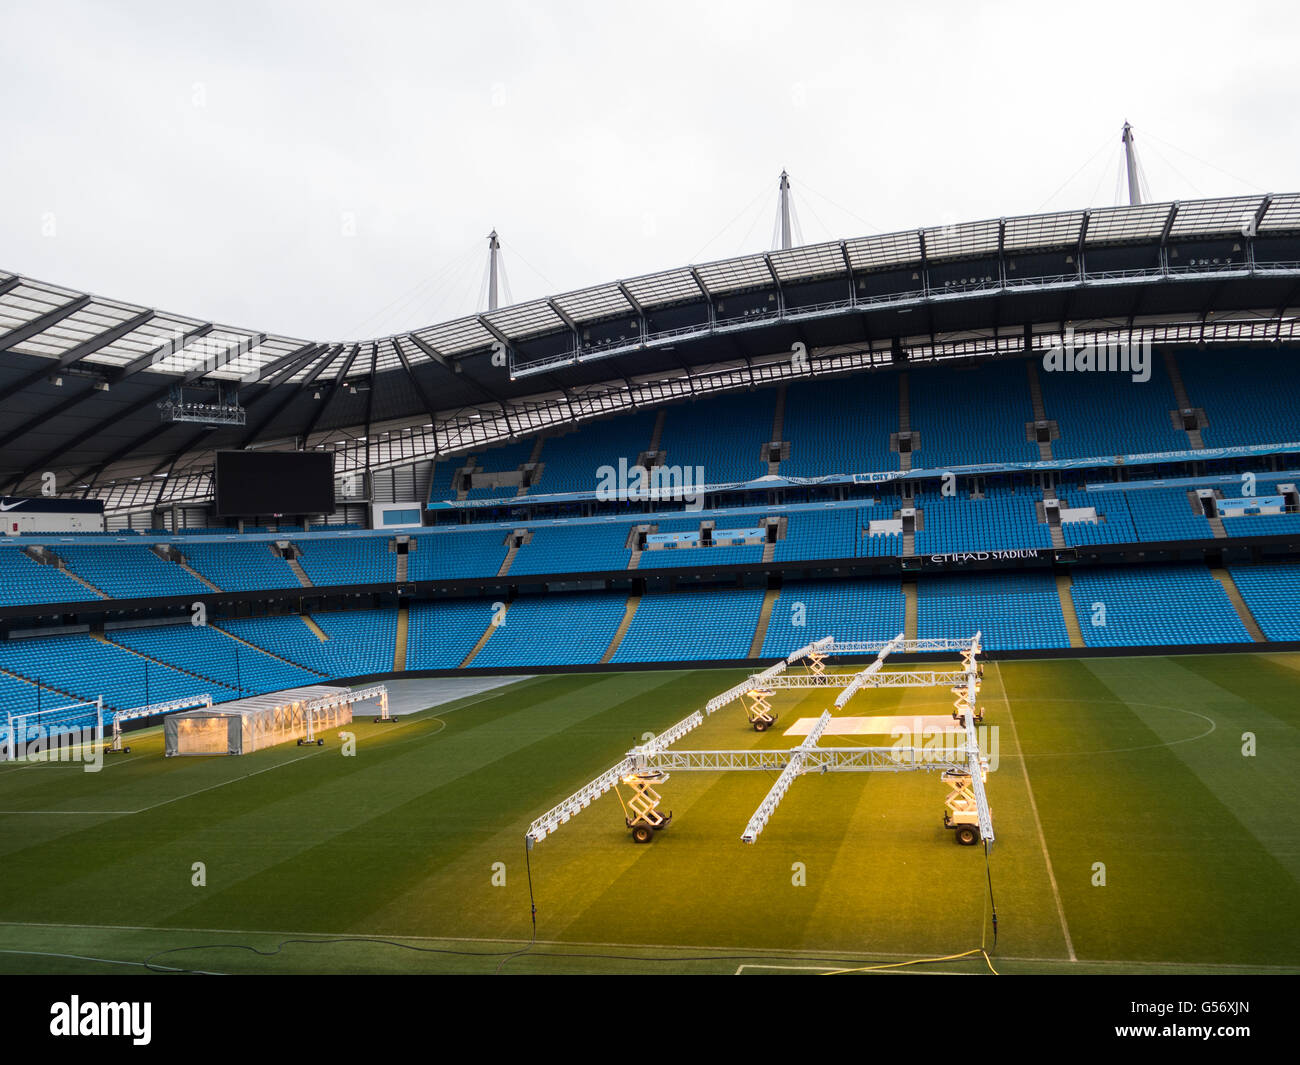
[{"x": 83, "y": 377}]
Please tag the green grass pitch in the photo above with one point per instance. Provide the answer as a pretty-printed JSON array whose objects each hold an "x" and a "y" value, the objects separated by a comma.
[{"x": 1135, "y": 763}]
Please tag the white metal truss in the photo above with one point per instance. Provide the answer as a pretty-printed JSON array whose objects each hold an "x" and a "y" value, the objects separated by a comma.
[
  {"x": 816, "y": 759},
  {"x": 795, "y": 767},
  {"x": 187, "y": 702},
  {"x": 930, "y": 645},
  {"x": 912, "y": 678},
  {"x": 577, "y": 802},
  {"x": 656, "y": 758},
  {"x": 311, "y": 708}
]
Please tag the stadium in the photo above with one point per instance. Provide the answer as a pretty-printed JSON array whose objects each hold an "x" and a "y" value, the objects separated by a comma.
[{"x": 505, "y": 643}]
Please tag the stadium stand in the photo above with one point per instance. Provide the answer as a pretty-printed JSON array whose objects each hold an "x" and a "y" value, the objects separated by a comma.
[
  {"x": 852, "y": 610},
  {"x": 127, "y": 571},
  {"x": 361, "y": 641},
  {"x": 1271, "y": 591},
  {"x": 723, "y": 435},
  {"x": 570, "y": 461},
  {"x": 1003, "y": 519},
  {"x": 1114, "y": 523},
  {"x": 1263, "y": 525},
  {"x": 210, "y": 653},
  {"x": 452, "y": 555},
  {"x": 971, "y": 415},
  {"x": 692, "y": 625},
  {"x": 813, "y": 534},
  {"x": 236, "y": 567},
  {"x": 1226, "y": 385},
  {"x": 361, "y": 560},
  {"x": 561, "y": 630},
  {"x": 1157, "y": 605},
  {"x": 1167, "y": 514},
  {"x": 88, "y": 668},
  {"x": 590, "y": 546},
  {"x": 1014, "y": 611},
  {"x": 855, "y": 439},
  {"x": 1136, "y": 413},
  {"x": 442, "y": 633},
  {"x": 24, "y": 580}
]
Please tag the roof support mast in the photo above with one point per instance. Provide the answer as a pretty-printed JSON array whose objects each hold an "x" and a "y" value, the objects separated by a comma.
[
  {"x": 494, "y": 249},
  {"x": 785, "y": 211},
  {"x": 1130, "y": 161}
]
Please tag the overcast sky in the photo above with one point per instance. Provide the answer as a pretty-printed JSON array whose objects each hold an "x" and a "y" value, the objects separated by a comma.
[{"x": 330, "y": 171}]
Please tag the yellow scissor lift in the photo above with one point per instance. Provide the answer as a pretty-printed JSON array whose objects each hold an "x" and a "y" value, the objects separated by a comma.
[
  {"x": 963, "y": 704},
  {"x": 641, "y": 808},
  {"x": 761, "y": 714},
  {"x": 816, "y": 659},
  {"x": 960, "y": 811}
]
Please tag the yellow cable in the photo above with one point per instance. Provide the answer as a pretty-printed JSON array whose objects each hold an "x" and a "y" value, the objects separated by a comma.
[{"x": 917, "y": 961}]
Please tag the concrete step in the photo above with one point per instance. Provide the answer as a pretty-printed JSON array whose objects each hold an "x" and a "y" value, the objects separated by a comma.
[
  {"x": 482, "y": 640},
  {"x": 62, "y": 567},
  {"x": 1239, "y": 604},
  {"x": 778, "y": 415},
  {"x": 403, "y": 567},
  {"x": 910, "y": 610},
  {"x": 764, "y": 618},
  {"x": 1065, "y": 593},
  {"x": 904, "y": 404},
  {"x": 1216, "y": 526},
  {"x": 635, "y": 561},
  {"x": 197, "y": 575},
  {"x": 508, "y": 561},
  {"x": 769, "y": 552},
  {"x": 909, "y": 544},
  {"x": 1176, "y": 379},
  {"x": 1035, "y": 391},
  {"x": 1058, "y": 537},
  {"x": 300, "y": 573},
  {"x": 399, "y": 645},
  {"x": 629, "y": 612},
  {"x": 316, "y": 629},
  {"x": 656, "y": 437},
  {"x": 1181, "y": 397}
]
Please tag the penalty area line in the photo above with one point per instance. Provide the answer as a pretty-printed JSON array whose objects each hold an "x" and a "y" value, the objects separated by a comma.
[{"x": 165, "y": 802}]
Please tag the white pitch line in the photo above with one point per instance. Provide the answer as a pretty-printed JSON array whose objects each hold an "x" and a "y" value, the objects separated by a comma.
[
  {"x": 769, "y": 952},
  {"x": 1038, "y": 824},
  {"x": 222, "y": 784},
  {"x": 78, "y": 813},
  {"x": 165, "y": 802}
]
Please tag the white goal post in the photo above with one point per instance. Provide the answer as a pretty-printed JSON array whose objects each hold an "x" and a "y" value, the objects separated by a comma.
[{"x": 52, "y": 722}]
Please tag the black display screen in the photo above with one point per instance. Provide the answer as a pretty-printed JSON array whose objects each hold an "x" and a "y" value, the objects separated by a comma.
[{"x": 274, "y": 482}]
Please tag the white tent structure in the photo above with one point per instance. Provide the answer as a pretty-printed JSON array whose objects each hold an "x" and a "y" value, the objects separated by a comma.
[{"x": 245, "y": 725}]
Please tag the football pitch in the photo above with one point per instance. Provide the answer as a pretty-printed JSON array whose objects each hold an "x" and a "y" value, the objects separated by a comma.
[{"x": 1140, "y": 806}]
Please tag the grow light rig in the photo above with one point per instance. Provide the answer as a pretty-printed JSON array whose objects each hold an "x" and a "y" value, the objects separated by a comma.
[{"x": 963, "y": 769}]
